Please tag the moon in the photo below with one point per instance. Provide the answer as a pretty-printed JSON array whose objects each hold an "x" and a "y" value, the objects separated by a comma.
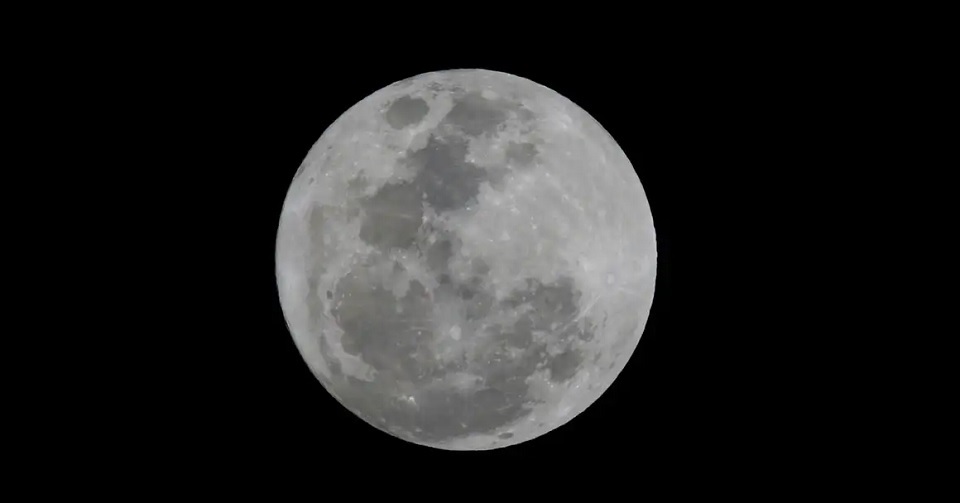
[{"x": 466, "y": 259}]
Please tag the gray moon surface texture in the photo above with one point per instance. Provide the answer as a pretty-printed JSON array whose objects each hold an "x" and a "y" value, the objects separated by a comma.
[{"x": 466, "y": 259}]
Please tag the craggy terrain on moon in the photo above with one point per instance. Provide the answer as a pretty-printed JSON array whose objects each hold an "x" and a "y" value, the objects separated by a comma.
[{"x": 466, "y": 259}]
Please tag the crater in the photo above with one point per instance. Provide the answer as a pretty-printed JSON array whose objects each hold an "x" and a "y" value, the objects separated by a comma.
[
  {"x": 505, "y": 436},
  {"x": 406, "y": 111}
]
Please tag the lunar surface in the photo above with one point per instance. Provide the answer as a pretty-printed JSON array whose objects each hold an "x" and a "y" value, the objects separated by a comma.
[{"x": 466, "y": 259}]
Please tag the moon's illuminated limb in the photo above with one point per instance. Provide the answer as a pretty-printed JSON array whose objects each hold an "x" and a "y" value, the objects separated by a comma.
[{"x": 466, "y": 259}]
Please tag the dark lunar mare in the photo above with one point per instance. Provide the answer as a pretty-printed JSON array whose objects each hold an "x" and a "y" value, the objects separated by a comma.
[
  {"x": 397, "y": 345},
  {"x": 392, "y": 216},
  {"x": 406, "y": 111},
  {"x": 522, "y": 154},
  {"x": 475, "y": 115},
  {"x": 447, "y": 180},
  {"x": 444, "y": 180}
]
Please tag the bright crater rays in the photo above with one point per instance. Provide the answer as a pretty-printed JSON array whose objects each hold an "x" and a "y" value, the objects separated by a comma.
[{"x": 466, "y": 259}]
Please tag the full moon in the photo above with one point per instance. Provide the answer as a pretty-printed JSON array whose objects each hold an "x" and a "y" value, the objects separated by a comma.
[{"x": 466, "y": 259}]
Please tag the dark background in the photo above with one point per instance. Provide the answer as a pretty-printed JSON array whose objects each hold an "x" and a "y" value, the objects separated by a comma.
[{"x": 711, "y": 379}]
